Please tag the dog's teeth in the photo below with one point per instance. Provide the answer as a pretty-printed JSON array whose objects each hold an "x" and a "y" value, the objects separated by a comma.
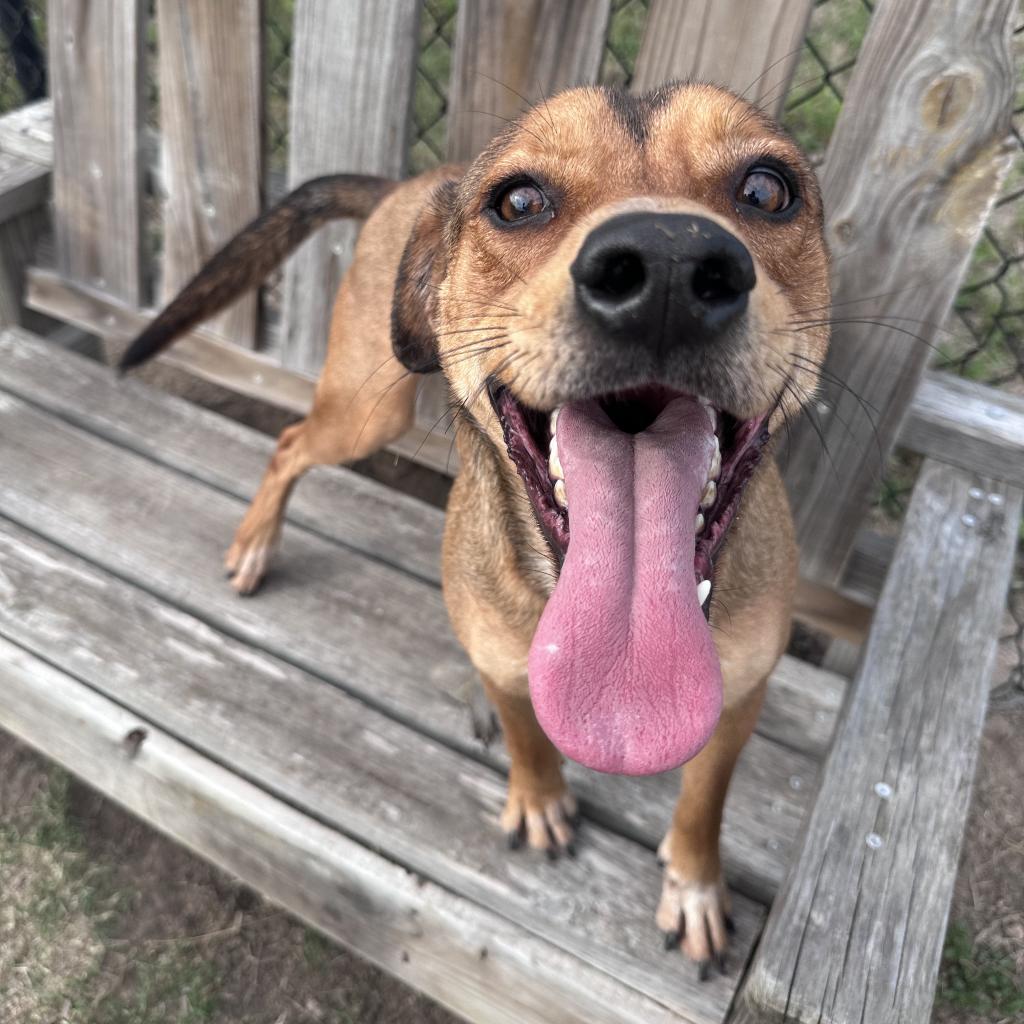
[
  {"x": 716, "y": 464},
  {"x": 560, "y": 495},
  {"x": 703, "y": 590},
  {"x": 554, "y": 422},
  {"x": 708, "y": 497},
  {"x": 698, "y": 523},
  {"x": 554, "y": 463}
]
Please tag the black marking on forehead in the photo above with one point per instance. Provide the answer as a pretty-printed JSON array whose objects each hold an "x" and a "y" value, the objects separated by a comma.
[{"x": 634, "y": 112}]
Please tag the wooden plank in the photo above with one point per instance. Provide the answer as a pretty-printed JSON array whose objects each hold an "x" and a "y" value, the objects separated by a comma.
[
  {"x": 24, "y": 185},
  {"x": 467, "y": 957},
  {"x": 857, "y": 932},
  {"x": 348, "y": 114},
  {"x": 916, "y": 159},
  {"x": 211, "y": 118},
  {"x": 18, "y": 238},
  {"x": 28, "y": 132},
  {"x": 702, "y": 40},
  {"x": 98, "y": 113},
  {"x": 510, "y": 54},
  {"x": 365, "y": 626},
  {"x": 968, "y": 425}
]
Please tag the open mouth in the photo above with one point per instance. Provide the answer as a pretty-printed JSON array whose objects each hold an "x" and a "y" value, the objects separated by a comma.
[{"x": 635, "y": 492}]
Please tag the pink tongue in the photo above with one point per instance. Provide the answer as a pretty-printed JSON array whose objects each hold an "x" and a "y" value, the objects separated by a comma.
[{"x": 623, "y": 671}]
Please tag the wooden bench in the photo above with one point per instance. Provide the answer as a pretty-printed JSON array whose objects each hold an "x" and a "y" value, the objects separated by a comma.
[{"x": 318, "y": 742}]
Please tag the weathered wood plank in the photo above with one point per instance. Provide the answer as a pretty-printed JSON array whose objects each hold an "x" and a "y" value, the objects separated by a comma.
[
  {"x": 98, "y": 112},
  {"x": 703, "y": 39},
  {"x": 510, "y": 54},
  {"x": 969, "y": 425},
  {"x": 871, "y": 886},
  {"x": 916, "y": 159},
  {"x": 28, "y": 132},
  {"x": 802, "y": 702},
  {"x": 365, "y": 626},
  {"x": 467, "y": 957},
  {"x": 211, "y": 119},
  {"x": 24, "y": 185},
  {"x": 351, "y": 115}
]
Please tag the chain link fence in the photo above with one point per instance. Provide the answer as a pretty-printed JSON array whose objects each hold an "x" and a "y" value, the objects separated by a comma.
[{"x": 984, "y": 337}]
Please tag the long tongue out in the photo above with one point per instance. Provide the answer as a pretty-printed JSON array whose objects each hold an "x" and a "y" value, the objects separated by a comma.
[{"x": 623, "y": 671}]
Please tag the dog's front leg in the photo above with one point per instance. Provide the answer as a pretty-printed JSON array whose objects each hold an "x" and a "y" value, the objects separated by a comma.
[
  {"x": 539, "y": 803},
  {"x": 694, "y": 908}
]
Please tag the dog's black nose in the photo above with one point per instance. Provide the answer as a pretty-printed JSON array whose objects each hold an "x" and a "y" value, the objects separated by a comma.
[{"x": 662, "y": 279}]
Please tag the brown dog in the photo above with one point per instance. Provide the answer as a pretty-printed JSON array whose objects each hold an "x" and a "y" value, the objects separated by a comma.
[{"x": 624, "y": 296}]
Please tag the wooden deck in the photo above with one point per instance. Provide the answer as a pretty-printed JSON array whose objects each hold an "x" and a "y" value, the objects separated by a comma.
[{"x": 317, "y": 740}]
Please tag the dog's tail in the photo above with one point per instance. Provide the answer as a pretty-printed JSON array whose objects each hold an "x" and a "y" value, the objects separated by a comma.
[{"x": 254, "y": 252}]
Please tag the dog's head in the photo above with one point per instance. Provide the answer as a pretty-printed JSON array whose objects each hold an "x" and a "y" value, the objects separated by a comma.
[{"x": 626, "y": 293}]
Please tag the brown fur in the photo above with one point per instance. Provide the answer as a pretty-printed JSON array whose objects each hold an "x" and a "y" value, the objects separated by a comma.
[{"x": 433, "y": 275}]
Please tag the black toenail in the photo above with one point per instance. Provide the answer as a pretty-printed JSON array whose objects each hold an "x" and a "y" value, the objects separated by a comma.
[
  {"x": 671, "y": 939},
  {"x": 730, "y": 925},
  {"x": 703, "y": 970},
  {"x": 552, "y": 853},
  {"x": 514, "y": 840},
  {"x": 721, "y": 963},
  {"x": 570, "y": 851}
]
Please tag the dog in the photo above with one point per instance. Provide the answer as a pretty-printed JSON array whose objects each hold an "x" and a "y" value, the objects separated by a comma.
[{"x": 623, "y": 293}]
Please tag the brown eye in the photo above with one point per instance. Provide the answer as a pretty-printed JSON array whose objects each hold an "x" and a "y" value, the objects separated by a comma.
[
  {"x": 521, "y": 201},
  {"x": 766, "y": 190}
]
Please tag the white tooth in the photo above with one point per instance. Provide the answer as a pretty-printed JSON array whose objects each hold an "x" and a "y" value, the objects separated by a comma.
[
  {"x": 554, "y": 463},
  {"x": 709, "y": 494},
  {"x": 698, "y": 523},
  {"x": 560, "y": 495},
  {"x": 554, "y": 421},
  {"x": 703, "y": 589},
  {"x": 716, "y": 464}
]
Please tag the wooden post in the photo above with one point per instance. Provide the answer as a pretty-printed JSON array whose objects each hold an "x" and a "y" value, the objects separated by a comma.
[
  {"x": 211, "y": 110},
  {"x": 352, "y": 72},
  {"x": 511, "y": 53},
  {"x": 96, "y": 74},
  {"x": 749, "y": 46},
  {"x": 916, "y": 159}
]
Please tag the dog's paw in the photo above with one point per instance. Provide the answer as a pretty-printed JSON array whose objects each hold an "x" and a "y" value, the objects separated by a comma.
[
  {"x": 694, "y": 916},
  {"x": 547, "y": 821},
  {"x": 247, "y": 561}
]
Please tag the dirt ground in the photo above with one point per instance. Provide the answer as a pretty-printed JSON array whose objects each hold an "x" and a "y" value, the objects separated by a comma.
[{"x": 104, "y": 921}]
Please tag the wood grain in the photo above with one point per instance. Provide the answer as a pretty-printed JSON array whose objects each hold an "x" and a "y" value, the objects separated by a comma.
[
  {"x": 511, "y": 54},
  {"x": 749, "y": 46},
  {"x": 857, "y": 932},
  {"x": 96, "y": 79},
  {"x": 969, "y": 425},
  {"x": 467, "y": 957},
  {"x": 916, "y": 158},
  {"x": 28, "y": 131},
  {"x": 349, "y": 113},
  {"x": 211, "y": 112}
]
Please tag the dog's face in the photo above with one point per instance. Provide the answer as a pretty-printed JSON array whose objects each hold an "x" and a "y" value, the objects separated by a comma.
[{"x": 627, "y": 293}]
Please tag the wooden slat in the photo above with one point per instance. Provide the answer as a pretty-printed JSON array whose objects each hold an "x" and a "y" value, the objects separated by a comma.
[
  {"x": 968, "y": 425},
  {"x": 352, "y": 74},
  {"x": 857, "y": 932},
  {"x": 362, "y": 624},
  {"x": 28, "y": 131},
  {"x": 211, "y": 127},
  {"x": 469, "y": 958},
  {"x": 96, "y": 78},
  {"x": 512, "y": 53},
  {"x": 917, "y": 156},
  {"x": 749, "y": 46},
  {"x": 24, "y": 185}
]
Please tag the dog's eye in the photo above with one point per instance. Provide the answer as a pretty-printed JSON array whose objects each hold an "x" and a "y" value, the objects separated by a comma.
[
  {"x": 766, "y": 190},
  {"x": 521, "y": 201}
]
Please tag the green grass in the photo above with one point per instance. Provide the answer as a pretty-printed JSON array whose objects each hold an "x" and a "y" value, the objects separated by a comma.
[{"x": 978, "y": 979}]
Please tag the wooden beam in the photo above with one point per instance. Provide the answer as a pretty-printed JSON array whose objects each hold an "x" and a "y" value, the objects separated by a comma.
[
  {"x": 512, "y": 53},
  {"x": 470, "y": 959},
  {"x": 749, "y": 46},
  {"x": 211, "y": 106},
  {"x": 856, "y": 933},
  {"x": 969, "y": 425},
  {"x": 916, "y": 159},
  {"x": 352, "y": 72},
  {"x": 96, "y": 78},
  {"x": 28, "y": 132}
]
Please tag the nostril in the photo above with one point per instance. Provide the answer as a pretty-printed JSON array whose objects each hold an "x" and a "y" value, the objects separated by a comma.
[
  {"x": 716, "y": 280},
  {"x": 620, "y": 276}
]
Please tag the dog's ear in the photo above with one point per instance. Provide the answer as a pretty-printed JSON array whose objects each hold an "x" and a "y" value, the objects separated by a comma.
[{"x": 419, "y": 273}]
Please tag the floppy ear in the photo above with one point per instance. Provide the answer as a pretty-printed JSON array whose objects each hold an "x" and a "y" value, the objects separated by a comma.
[{"x": 419, "y": 273}]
